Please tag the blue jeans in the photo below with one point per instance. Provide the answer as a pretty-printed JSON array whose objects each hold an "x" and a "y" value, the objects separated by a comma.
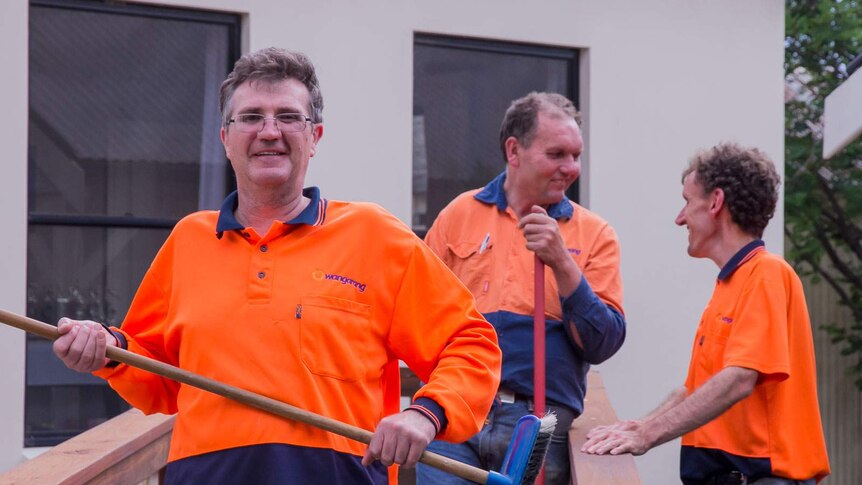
[{"x": 487, "y": 448}]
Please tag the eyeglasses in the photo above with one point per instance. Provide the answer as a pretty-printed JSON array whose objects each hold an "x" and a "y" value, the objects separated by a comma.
[{"x": 286, "y": 122}]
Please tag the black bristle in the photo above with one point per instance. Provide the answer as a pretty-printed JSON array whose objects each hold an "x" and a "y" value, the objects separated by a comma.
[{"x": 540, "y": 449}]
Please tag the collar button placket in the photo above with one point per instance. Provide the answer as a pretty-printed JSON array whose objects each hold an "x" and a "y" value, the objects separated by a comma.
[{"x": 262, "y": 272}]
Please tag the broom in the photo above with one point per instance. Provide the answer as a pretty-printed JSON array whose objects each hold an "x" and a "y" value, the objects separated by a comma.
[{"x": 521, "y": 465}]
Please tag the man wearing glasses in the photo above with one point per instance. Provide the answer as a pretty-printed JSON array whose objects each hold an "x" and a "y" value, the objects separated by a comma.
[{"x": 307, "y": 300}]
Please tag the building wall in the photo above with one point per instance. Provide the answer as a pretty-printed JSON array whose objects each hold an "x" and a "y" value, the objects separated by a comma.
[
  {"x": 13, "y": 214},
  {"x": 659, "y": 80}
]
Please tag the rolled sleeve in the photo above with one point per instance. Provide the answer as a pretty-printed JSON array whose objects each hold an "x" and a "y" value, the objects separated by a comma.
[{"x": 602, "y": 329}]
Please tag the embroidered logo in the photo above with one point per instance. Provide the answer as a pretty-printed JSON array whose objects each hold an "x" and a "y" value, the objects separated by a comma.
[
  {"x": 576, "y": 252},
  {"x": 321, "y": 276},
  {"x": 727, "y": 320}
]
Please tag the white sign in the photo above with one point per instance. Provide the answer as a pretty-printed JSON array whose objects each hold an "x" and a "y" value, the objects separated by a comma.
[{"x": 843, "y": 115}]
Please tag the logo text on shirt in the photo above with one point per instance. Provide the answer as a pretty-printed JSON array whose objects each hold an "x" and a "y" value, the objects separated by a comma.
[{"x": 320, "y": 276}]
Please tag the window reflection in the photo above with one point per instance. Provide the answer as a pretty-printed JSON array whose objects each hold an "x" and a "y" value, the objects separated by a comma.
[
  {"x": 462, "y": 88},
  {"x": 123, "y": 141}
]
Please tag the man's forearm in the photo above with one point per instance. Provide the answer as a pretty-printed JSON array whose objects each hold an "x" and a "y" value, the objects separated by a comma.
[
  {"x": 672, "y": 400},
  {"x": 568, "y": 276},
  {"x": 707, "y": 402},
  {"x": 595, "y": 328}
]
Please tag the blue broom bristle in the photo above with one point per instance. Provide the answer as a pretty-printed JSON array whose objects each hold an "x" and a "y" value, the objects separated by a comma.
[{"x": 540, "y": 449}]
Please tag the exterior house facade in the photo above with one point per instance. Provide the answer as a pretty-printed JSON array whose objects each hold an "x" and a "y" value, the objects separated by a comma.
[{"x": 656, "y": 80}]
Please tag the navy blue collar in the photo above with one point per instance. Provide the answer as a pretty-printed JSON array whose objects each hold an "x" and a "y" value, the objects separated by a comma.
[
  {"x": 493, "y": 193},
  {"x": 313, "y": 214},
  {"x": 740, "y": 258}
]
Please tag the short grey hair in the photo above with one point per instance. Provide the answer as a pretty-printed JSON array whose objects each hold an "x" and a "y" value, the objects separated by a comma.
[
  {"x": 522, "y": 116},
  {"x": 272, "y": 65}
]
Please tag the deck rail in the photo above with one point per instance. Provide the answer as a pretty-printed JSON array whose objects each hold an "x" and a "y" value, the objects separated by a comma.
[
  {"x": 129, "y": 449},
  {"x": 132, "y": 448},
  {"x": 598, "y": 469}
]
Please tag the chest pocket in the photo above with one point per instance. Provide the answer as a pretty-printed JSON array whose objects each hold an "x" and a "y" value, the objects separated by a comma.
[
  {"x": 713, "y": 342},
  {"x": 335, "y": 337},
  {"x": 473, "y": 264},
  {"x": 711, "y": 358}
]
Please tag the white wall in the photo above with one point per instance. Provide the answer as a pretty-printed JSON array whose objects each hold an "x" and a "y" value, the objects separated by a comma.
[
  {"x": 13, "y": 217},
  {"x": 660, "y": 79}
]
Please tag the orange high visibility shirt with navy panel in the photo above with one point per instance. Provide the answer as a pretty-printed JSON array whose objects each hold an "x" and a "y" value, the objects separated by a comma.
[
  {"x": 316, "y": 313},
  {"x": 757, "y": 319},
  {"x": 477, "y": 236}
]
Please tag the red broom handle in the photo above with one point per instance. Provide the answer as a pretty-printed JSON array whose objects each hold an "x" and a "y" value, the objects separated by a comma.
[
  {"x": 539, "y": 340},
  {"x": 539, "y": 347}
]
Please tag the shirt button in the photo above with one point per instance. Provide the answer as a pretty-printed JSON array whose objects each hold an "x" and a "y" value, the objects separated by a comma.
[
  {"x": 261, "y": 275},
  {"x": 263, "y": 248}
]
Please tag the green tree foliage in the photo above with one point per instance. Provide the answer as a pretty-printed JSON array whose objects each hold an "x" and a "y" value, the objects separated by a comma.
[{"x": 823, "y": 198}]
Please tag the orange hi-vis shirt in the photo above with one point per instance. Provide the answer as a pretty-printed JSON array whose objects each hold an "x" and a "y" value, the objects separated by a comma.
[
  {"x": 316, "y": 313},
  {"x": 757, "y": 319},
  {"x": 477, "y": 236}
]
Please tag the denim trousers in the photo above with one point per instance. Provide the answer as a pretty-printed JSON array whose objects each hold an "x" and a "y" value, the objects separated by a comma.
[{"x": 487, "y": 448}]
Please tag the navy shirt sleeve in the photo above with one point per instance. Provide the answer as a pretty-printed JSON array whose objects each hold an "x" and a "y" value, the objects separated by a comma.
[{"x": 602, "y": 328}]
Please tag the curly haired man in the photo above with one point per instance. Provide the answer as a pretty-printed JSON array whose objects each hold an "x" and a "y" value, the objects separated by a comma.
[{"x": 748, "y": 413}]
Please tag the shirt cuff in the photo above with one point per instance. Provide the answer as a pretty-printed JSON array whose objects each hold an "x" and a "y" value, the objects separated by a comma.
[
  {"x": 431, "y": 410},
  {"x": 121, "y": 342}
]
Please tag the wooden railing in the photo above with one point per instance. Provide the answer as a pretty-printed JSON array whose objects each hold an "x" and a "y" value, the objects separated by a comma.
[
  {"x": 595, "y": 469},
  {"x": 130, "y": 448},
  {"x": 133, "y": 448}
]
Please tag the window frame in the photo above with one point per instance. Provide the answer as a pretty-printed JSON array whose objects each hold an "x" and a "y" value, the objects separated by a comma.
[
  {"x": 233, "y": 24},
  {"x": 570, "y": 55}
]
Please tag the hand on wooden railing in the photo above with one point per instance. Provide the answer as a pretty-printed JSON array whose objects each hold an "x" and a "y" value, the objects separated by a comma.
[{"x": 590, "y": 469}]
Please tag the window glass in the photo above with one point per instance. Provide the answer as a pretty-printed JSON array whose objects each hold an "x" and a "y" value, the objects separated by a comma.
[
  {"x": 81, "y": 272},
  {"x": 462, "y": 88},
  {"x": 123, "y": 142},
  {"x": 123, "y": 112}
]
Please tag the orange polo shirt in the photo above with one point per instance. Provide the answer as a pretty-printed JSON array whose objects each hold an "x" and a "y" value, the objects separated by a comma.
[
  {"x": 316, "y": 313},
  {"x": 757, "y": 319},
  {"x": 477, "y": 236}
]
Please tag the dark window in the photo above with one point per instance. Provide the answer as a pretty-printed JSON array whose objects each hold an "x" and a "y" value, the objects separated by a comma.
[
  {"x": 123, "y": 142},
  {"x": 461, "y": 89}
]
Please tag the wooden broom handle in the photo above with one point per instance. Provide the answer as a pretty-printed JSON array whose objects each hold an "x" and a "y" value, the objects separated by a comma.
[{"x": 246, "y": 397}]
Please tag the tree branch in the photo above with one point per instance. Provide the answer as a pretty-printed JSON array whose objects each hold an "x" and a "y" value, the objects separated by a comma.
[
  {"x": 836, "y": 260},
  {"x": 849, "y": 232},
  {"x": 843, "y": 295}
]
